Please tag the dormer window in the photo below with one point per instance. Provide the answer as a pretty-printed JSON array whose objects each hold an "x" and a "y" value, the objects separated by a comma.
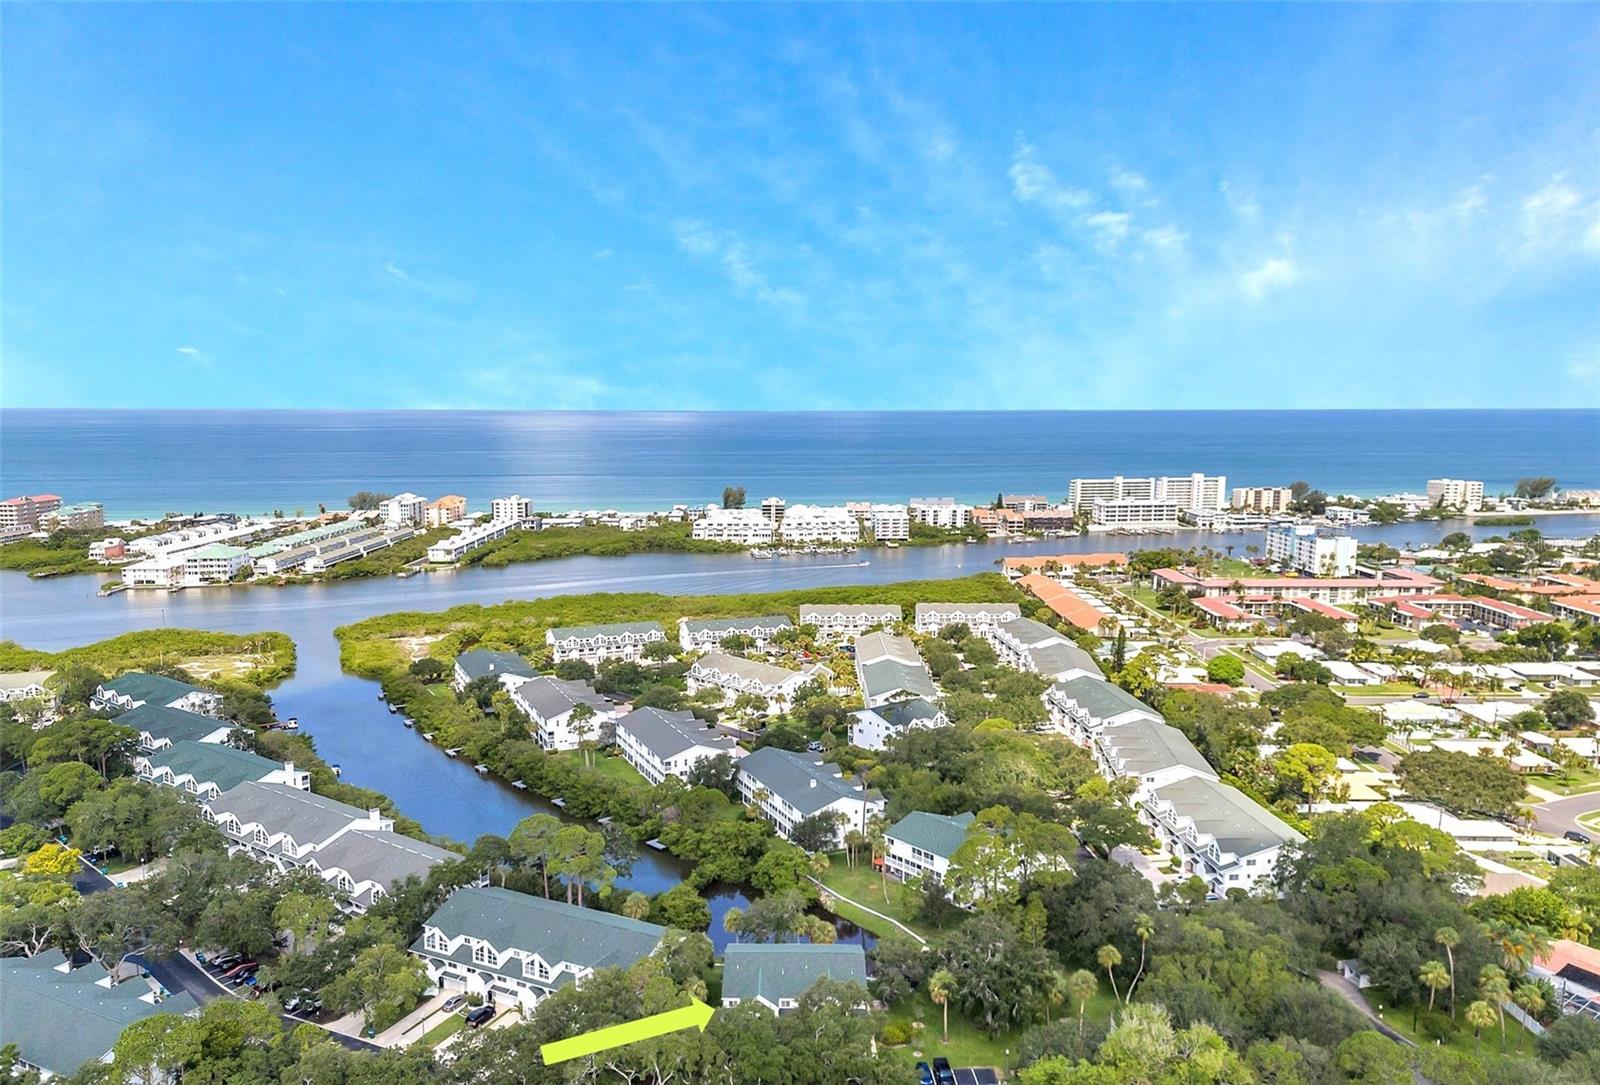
[
  {"x": 436, "y": 941},
  {"x": 483, "y": 953}
]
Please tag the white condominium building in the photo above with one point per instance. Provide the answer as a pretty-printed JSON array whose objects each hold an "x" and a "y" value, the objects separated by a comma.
[
  {"x": 819, "y": 523},
  {"x": 1262, "y": 498},
  {"x": 746, "y": 527},
  {"x": 593, "y": 643},
  {"x": 403, "y": 508},
  {"x": 734, "y": 675},
  {"x": 1457, "y": 493},
  {"x": 1132, "y": 512},
  {"x": 842, "y": 620},
  {"x": 515, "y": 508},
  {"x": 462, "y": 542},
  {"x": 1307, "y": 550},
  {"x": 1197, "y": 491},
  {"x": 941, "y": 512},
  {"x": 888, "y": 522}
]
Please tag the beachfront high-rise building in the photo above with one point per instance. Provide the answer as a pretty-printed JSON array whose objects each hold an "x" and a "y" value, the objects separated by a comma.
[
  {"x": 1024, "y": 502},
  {"x": 888, "y": 522},
  {"x": 1262, "y": 498},
  {"x": 1196, "y": 491},
  {"x": 22, "y": 514},
  {"x": 1307, "y": 550},
  {"x": 1457, "y": 493},
  {"x": 516, "y": 508},
  {"x": 445, "y": 510},
  {"x": 772, "y": 509},
  {"x": 403, "y": 508}
]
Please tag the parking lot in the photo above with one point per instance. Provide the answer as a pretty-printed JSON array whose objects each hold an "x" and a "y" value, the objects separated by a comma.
[{"x": 982, "y": 1076}]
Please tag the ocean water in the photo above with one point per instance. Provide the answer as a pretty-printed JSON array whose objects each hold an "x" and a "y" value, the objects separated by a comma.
[{"x": 143, "y": 463}]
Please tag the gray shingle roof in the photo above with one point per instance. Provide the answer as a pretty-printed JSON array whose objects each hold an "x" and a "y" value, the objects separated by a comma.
[
  {"x": 1144, "y": 746},
  {"x": 1240, "y": 825},
  {"x": 775, "y": 972},
  {"x": 482, "y": 661},
  {"x": 667, "y": 734},
  {"x": 555, "y": 931},
  {"x": 380, "y": 856},
  {"x": 155, "y": 689},
  {"x": 307, "y": 817},
  {"x": 940, "y": 834},
  {"x": 789, "y": 776},
  {"x": 213, "y": 763},
  {"x": 173, "y": 724},
  {"x": 754, "y": 670},
  {"x": 1053, "y": 659},
  {"x": 881, "y": 645},
  {"x": 1102, "y": 699},
  {"x": 885, "y": 612},
  {"x": 612, "y": 629},
  {"x": 550, "y": 697},
  {"x": 61, "y": 1020},
  {"x": 1029, "y": 633},
  {"x": 726, "y": 626},
  {"x": 906, "y": 712},
  {"x": 951, "y": 613},
  {"x": 892, "y": 678}
]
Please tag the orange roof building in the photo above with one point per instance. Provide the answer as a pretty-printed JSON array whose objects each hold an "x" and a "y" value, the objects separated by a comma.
[
  {"x": 1067, "y": 604},
  {"x": 1033, "y": 563}
]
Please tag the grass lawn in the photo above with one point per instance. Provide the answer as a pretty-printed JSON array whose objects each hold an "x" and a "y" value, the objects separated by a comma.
[
  {"x": 616, "y": 768},
  {"x": 1253, "y": 664},
  {"x": 968, "y": 1045},
  {"x": 1461, "y": 1040},
  {"x": 441, "y": 690},
  {"x": 1573, "y": 782},
  {"x": 443, "y": 1031},
  {"x": 1381, "y": 689},
  {"x": 862, "y": 883},
  {"x": 1591, "y": 820}
]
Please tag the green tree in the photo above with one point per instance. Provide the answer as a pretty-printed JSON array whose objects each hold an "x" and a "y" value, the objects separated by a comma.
[
  {"x": 1225, "y": 667},
  {"x": 1082, "y": 985},
  {"x": 1480, "y": 1015},
  {"x": 1109, "y": 958},
  {"x": 941, "y": 987},
  {"x": 305, "y": 916},
  {"x": 382, "y": 984},
  {"x": 1568, "y": 709}
]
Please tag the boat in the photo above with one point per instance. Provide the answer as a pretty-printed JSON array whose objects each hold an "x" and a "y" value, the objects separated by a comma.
[
  {"x": 560, "y": 804},
  {"x": 656, "y": 844},
  {"x": 892, "y": 545},
  {"x": 519, "y": 785},
  {"x": 862, "y": 564},
  {"x": 428, "y": 735},
  {"x": 409, "y": 722},
  {"x": 482, "y": 770},
  {"x": 337, "y": 771},
  {"x": 393, "y": 709},
  {"x": 380, "y": 695}
]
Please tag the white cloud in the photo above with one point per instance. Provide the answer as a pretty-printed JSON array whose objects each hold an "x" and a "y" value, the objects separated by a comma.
[
  {"x": 1275, "y": 273},
  {"x": 733, "y": 254},
  {"x": 396, "y": 270},
  {"x": 694, "y": 238},
  {"x": 1108, "y": 227},
  {"x": 193, "y": 352},
  {"x": 603, "y": 254},
  {"x": 1167, "y": 238},
  {"x": 1128, "y": 182},
  {"x": 1585, "y": 365},
  {"x": 1033, "y": 182}
]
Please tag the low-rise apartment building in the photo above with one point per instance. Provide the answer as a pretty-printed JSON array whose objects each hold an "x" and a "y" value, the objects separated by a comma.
[
  {"x": 510, "y": 947},
  {"x": 206, "y": 769},
  {"x": 806, "y": 524},
  {"x": 843, "y": 621},
  {"x": 930, "y": 618},
  {"x": 83, "y": 516},
  {"x": 875, "y": 728},
  {"x": 160, "y": 727},
  {"x": 1218, "y": 833},
  {"x": 516, "y": 508},
  {"x": 19, "y": 686},
  {"x": 594, "y": 643},
  {"x": 549, "y": 704},
  {"x": 734, "y": 675},
  {"x": 468, "y": 539},
  {"x": 1151, "y": 753},
  {"x": 787, "y": 788},
  {"x": 921, "y": 845},
  {"x": 1082, "y": 707},
  {"x": 1022, "y": 503},
  {"x": 704, "y": 634},
  {"x": 659, "y": 743},
  {"x": 945, "y": 513},
  {"x": 444, "y": 511},
  {"x": 1134, "y": 514},
  {"x": 1266, "y": 499},
  {"x": 741, "y": 527},
  {"x": 135, "y": 688},
  {"x": 1419, "y": 611},
  {"x": 1038, "y": 649},
  {"x": 508, "y": 667},
  {"x": 1366, "y": 585},
  {"x": 776, "y": 976},
  {"x": 403, "y": 508},
  {"x": 889, "y": 669}
]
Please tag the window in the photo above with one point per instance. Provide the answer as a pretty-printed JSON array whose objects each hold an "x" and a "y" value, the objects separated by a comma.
[
  {"x": 483, "y": 953},
  {"x": 436, "y": 942}
]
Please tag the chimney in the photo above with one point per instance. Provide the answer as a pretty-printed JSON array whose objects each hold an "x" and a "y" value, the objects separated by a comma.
[{"x": 812, "y": 782}]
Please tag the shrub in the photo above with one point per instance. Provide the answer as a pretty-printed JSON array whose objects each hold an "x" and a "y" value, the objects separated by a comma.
[{"x": 895, "y": 1033}]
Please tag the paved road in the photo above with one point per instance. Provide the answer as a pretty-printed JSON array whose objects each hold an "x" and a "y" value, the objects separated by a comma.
[{"x": 1560, "y": 815}]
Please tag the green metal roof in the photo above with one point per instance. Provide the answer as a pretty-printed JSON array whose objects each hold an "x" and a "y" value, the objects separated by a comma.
[
  {"x": 212, "y": 762},
  {"x": 173, "y": 724},
  {"x": 939, "y": 834},
  {"x": 483, "y": 661},
  {"x": 155, "y": 689},
  {"x": 775, "y": 972}
]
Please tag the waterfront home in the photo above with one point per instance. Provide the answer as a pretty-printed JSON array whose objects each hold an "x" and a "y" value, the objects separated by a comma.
[
  {"x": 1035, "y": 647},
  {"x": 468, "y": 539},
  {"x": 510, "y": 668},
  {"x": 819, "y": 524},
  {"x": 403, "y": 508},
  {"x": 514, "y": 947},
  {"x": 734, "y": 675},
  {"x": 1149, "y": 753},
  {"x": 787, "y": 787},
  {"x": 1081, "y": 707},
  {"x": 160, "y": 727},
  {"x": 742, "y": 527},
  {"x": 888, "y": 668},
  {"x": 836, "y": 621},
  {"x": 704, "y": 634},
  {"x": 444, "y": 511},
  {"x": 549, "y": 704},
  {"x": 777, "y": 975},
  {"x": 874, "y": 728},
  {"x": 659, "y": 743},
  {"x": 18, "y": 686},
  {"x": 930, "y": 618},
  {"x": 941, "y": 512},
  {"x": 59, "y": 1018},
  {"x": 207, "y": 769},
  {"x": 110, "y": 548},
  {"x": 137, "y": 688},
  {"x": 1217, "y": 832},
  {"x": 1069, "y": 605},
  {"x": 920, "y": 845},
  {"x": 593, "y": 643},
  {"x": 356, "y": 850}
]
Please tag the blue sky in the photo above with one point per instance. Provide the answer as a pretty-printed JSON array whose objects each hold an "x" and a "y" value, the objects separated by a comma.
[{"x": 829, "y": 207}]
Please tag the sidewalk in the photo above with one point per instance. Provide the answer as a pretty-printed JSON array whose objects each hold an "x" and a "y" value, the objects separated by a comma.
[
  {"x": 414, "y": 1025},
  {"x": 826, "y": 893}
]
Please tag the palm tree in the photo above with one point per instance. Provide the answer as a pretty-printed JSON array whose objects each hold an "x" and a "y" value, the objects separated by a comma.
[
  {"x": 878, "y": 841},
  {"x": 1496, "y": 990},
  {"x": 1530, "y": 999},
  {"x": 1480, "y": 1015},
  {"x": 819, "y": 863},
  {"x": 636, "y": 905},
  {"x": 1082, "y": 985},
  {"x": 941, "y": 985},
  {"x": 1109, "y": 957},
  {"x": 1435, "y": 978},
  {"x": 1055, "y": 991},
  {"x": 1144, "y": 927},
  {"x": 732, "y": 920},
  {"x": 853, "y": 839},
  {"x": 1449, "y": 938},
  {"x": 580, "y": 718}
]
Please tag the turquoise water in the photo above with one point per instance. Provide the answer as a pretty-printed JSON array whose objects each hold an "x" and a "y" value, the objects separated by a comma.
[{"x": 142, "y": 463}]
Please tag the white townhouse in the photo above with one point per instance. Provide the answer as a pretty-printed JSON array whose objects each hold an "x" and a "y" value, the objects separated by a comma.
[
  {"x": 1035, "y": 647},
  {"x": 549, "y": 703},
  {"x": 160, "y": 728},
  {"x": 835, "y": 621},
  {"x": 734, "y": 675},
  {"x": 508, "y": 667},
  {"x": 356, "y": 850},
  {"x": 1081, "y": 707},
  {"x": 776, "y": 975},
  {"x": 468, "y": 539},
  {"x": 875, "y": 728},
  {"x": 593, "y": 643},
  {"x": 819, "y": 524},
  {"x": 940, "y": 512},
  {"x": 786, "y": 788},
  {"x": 17, "y": 686},
  {"x": 1218, "y": 833},
  {"x": 659, "y": 743},
  {"x": 704, "y": 634},
  {"x": 920, "y": 845},
  {"x": 1150, "y": 754},
  {"x": 137, "y": 688},
  {"x": 515, "y": 509},
  {"x": 981, "y": 618},
  {"x": 207, "y": 769},
  {"x": 888, "y": 523},
  {"x": 742, "y": 527},
  {"x": 516, "y": 948},
  {"x": 403, "y": 508},
  {"x": 889, "y": 669}
]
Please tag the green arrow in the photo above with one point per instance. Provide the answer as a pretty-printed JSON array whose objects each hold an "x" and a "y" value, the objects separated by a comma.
[{"x": 695, "y": 1015}]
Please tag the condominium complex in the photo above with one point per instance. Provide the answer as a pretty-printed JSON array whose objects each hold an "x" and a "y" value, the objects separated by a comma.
[
  {"x": 1262, "y": 498},
  {"x": 84, "y": 516},
  {"x": 745, "y": 527},
  {"x": 786, "y": 788},
  {"x": 615, "y": 640},
  {"x": 940, "y": 512},
  {"x": 888, "y": 522},
  {"x": 515, "y": 508},
  {"x": 403, "y": 508},
  {"x": 819, "y": 524},
  {"x": 1456, "y": 493},
  {"x": 1306, "y": 549},
  {"x": 1197, "y": 491},
  {"x": 443, "y": 511},
  {"x": 24, "y": 513}
]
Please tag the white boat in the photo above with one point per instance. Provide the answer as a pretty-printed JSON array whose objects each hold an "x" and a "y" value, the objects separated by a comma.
[{"x": 482, "y": 770}]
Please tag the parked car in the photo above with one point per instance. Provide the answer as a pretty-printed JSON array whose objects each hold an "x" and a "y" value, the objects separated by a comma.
[
  {"x": 454, "y": 1003},
  {"x": 292, "y": 1005},
  {"x": 1421, "y": 695},
  {"x": 814, "y": 747},
  {"x": 242, "y": 979},
  {"x": 229, "y": 973},
  {"x": 480, "y": 1016},
  {"x": 942, "y": 1072},
  {"x": 1576, "y": 837},
  {"x": 222, "y": 963},
  {"x": 925, "y": 1073}
]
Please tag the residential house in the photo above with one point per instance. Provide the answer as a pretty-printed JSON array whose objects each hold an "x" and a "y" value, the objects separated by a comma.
[
  {"x": 514, "y": 947},
  {"x": 787, "y": 788},
  {"x": 510, "y": 668},
  {"x": 888, "y": 668},
  {"x": 1035, "y": 647},
  {"x": 138, "y": 688},
  {"x": 920, "y": 845},
  {"x": 659, "y": 743},
  {"x": 844, "y": 621},
  {"x": 930, "y": 618},
  {"x": 160, "y": 728},
  {"x": 704, "y": 634},
  {"x": 593, "y": 643},
  {"x": 734, "y": 675},
  {"x": 1218, "y": 833},
  {"x": 874, "y": 728},
  {"x": 207, "y": 769},
  {"x": 777, "y": 975},
  {"x": 549, "y": 703},
  {"x": 19, "y": 686}
]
